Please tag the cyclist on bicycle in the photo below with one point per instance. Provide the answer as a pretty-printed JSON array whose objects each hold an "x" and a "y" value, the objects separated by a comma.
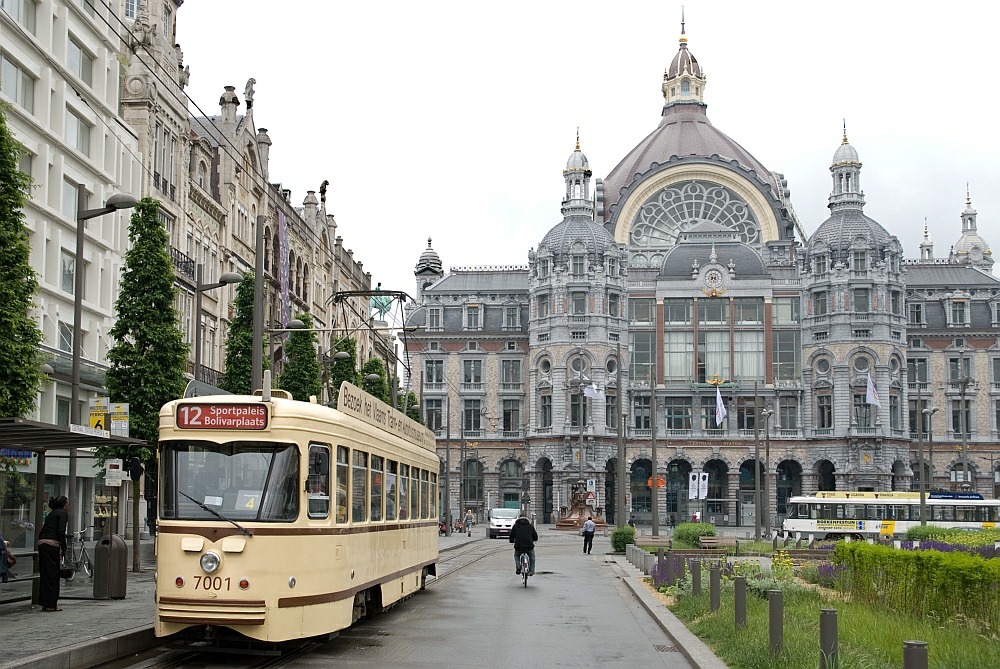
[{"x": 523, "y": 536}]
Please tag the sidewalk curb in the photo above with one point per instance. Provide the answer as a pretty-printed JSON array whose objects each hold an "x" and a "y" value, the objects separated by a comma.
[
  {"x": 694, "y": 649},
  {"x": 90, "y": 653},
  {"x": 446, "y": 549}
]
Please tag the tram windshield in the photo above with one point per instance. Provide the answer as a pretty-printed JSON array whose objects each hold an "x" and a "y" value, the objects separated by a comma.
[{"x": 241, "y": 480}]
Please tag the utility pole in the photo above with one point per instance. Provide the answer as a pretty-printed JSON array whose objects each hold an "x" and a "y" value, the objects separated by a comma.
[
  {"x": 620, "y": 486},
  {"x": 652, "y": 433},
  {"x": 447, "y": 468},
  {"x": 767, "y": 413},
  {"x": 756, "y": 464},
  {"x": 257, "y": 353},
  {"x": 963, "y": 381},
  {"x": 920, "y": 454}
]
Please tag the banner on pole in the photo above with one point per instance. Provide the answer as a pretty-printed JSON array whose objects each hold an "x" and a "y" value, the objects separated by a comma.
[
  {"x": 693, "y": 485},
  {"x": 703, "y": 485}
]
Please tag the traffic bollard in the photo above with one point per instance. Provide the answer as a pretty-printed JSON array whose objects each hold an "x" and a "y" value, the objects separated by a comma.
[
  {"x": 741, "y": 602},
  {"x": 714, "y": 586},
  {"x": 670, "y": 567},
  {"x": 914, "y": 655},
  {"x": 774, "y": 543},
  {"x": 696, "y": 578},
  {"x": 776, "y": 619},
  {"x": 827, "y": 638}
]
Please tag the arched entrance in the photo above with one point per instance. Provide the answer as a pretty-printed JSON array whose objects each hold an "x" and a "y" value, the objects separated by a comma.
[
  {"x": 825, "y": 477},
  {"x": 748, "y": 488},
  {"x": 678, "y": 476},
  {"x": 546, "y": 466},
  {"x": 718, "y": 486},
  {"x": 642, "y": 494},
  {"x": 789, "y": 484},
  {"x": 610, "y": 498},
  {"x": 511, "y": 483}
]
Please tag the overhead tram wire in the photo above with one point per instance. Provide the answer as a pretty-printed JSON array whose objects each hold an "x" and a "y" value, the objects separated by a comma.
[{"x": 236, "y": 158}]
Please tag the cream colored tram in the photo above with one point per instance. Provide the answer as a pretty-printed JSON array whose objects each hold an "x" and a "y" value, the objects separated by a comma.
[{"x": 282, "y": 519}]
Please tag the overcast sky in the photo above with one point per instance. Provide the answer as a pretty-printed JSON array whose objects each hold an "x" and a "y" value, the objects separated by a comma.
[{"x": 454, "y": 120}]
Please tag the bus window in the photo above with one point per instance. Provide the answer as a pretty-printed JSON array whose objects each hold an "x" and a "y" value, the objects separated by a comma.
[
  {"x": 404, "y": 486},
  {"x": 376, "y": 498},
  {"x": 318, "y": 481},
  {"x": 390, "y": 490},
  {"x": 343, "y": 474},
  {"x": 359, "y": 487},
  {"x": 424, "y": 497},
  {"x": 414, "y": 493},
  {"x": 434, "y": 495}
]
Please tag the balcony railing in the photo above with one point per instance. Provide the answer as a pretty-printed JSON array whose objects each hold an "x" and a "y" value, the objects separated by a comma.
[
  {"x": 210, "y": 376},
  {"x": 862, "y": 316},
  {"x": 714, "y": 433},
  {"x": 823, "y": 431},
  {"x": 857, "y": 429},
  {"x": 640, "y": 433},
  {"x": 511, "y": 434},
  {"x": 512, "y": 387},
  {"x": 182, "y": 263},
  {"x": 913, "y": 385},
  {"x": 543, "y": 430},
  {"x": 474, "y": 387},
  {"x": 433, "y": 386},
  {"x": 787, "y": 432},
  {"x": 577, "y": 318},
  {"x": 473, "y": 434},
  {"x": 748, "y": 434},
  {"x": 678, "y": 433}
]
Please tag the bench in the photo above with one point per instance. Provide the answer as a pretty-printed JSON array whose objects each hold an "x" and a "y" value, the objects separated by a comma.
[
  {"x": 708, "y": 553},
  {"x": 800, "y": 555},
  {"x": 648, "y": 540},
  {"x": 718, "y": 542}
]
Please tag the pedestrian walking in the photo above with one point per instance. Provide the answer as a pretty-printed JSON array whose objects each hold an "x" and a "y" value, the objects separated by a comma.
[
  {"x": 51, "y": 546},
  {"x": 589, "y": 527},
  {"x": 631, "y": 520},
  {"x": 469, "y": 520},
  {"x": 673, "y": 520},
  {"x": 4, "y": 570}
]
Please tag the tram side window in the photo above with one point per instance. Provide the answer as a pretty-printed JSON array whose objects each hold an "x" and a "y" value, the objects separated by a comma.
[
  {"x": 343, "y": 473},
  {"x": 359, "y": 487},
  {"x": 876, "y": 512},
  {"x": 898, "y": 512},
  {"x": 944, "y": 513},
  {"x": 390, "y": 489},
  {"x": 404, "y": 486},
  {"x": 376, "y": 498},
  {"x": 434, "y": 496},
  {"x": 424, "y": 497},
  {"x": 414, "y": 493},
  {"x": 965, "y": 513},
  {"x": 318, "y": 482},
  {"x": 854, "y": 512}
]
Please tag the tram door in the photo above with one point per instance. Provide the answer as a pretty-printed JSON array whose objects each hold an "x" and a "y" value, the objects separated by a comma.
[{"x": 747, "y": 508}]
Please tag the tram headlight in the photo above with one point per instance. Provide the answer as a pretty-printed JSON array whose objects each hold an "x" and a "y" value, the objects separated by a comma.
[{"x": 210, "y": 562}]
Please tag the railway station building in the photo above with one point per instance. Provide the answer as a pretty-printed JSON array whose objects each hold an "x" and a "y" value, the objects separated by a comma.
[{"x": 684, "y": 277}]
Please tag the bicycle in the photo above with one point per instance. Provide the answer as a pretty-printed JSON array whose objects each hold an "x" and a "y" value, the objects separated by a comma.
[
  {"x": 79, "y": 561},
  {"x": 525, "y": 563}
]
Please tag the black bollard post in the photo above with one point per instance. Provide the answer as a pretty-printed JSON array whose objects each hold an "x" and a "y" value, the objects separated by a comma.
[
  {"x": 670, "y": 567},
  {"x": 776, "y": 619},
  {"x": 914, "y": 655},
  {"x": 741, "y": 602},
  {"x": 696, "y": 578},
  {"x": 774, "y": 543},
  {"x": 715, "y": 587},
  {"x": 827, "y": 638},
  {"x": 798, "y": 544},
  {"x": 788, "y": 540}
]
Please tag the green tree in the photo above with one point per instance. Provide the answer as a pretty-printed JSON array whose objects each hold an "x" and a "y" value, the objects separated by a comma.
[
  {"x": 148, "y": 355},
  {"x": 412, "y": 410},
  {"x": 377, "y": 388},
  {"x": 343, "y": 370},
  {"x": 300, "y": 376},
  {"x": 237, "y": 378},
  {"x": 20, "y": 336}
]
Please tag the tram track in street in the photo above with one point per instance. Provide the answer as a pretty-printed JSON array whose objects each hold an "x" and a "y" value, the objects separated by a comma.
[{"x": 474, "y": 554}]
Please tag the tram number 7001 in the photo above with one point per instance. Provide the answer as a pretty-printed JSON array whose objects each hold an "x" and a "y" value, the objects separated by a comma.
[{"x": 211, "y": 583}]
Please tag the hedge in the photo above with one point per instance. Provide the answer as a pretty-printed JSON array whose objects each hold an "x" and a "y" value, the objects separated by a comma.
[
  {"x": 689, "y": 533},
  {"x": 620, "y": 537}
]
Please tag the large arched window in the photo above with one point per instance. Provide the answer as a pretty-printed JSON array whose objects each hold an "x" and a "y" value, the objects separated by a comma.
[
  {"x": 202, "y": 175},
  {"x": 511, "y": 469},
  {"x": 685, "y": 88},
  {"x": 642, "y": 494},
  {"x": 473, "y": 481}
]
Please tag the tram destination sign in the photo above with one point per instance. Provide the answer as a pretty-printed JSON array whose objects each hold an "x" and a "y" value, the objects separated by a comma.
[{"x": 205, "y": 416}]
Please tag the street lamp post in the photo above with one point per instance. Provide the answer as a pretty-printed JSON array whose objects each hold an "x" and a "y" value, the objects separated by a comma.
[
  {"x": 619, "y": 417},
  {"x": 113, "y": 203},
  {"x": 963, "y": 383},
  {"x": 920, "y": 456},
  {"x": 224, "y": 280},
  {"x": 756, "y": 467},
  {"x": 766, "y": 415},
  {"x": 929, "y": 412},
  {"x": 656, "y": 468},
  {"x": 257, "y": 353}
]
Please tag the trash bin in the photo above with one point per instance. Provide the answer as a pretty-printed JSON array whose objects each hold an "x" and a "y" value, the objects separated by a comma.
[{"x": 110, "y": 568}]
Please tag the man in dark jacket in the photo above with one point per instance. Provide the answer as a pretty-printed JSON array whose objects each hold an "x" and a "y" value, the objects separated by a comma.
[{"x": 523, "y": 536}]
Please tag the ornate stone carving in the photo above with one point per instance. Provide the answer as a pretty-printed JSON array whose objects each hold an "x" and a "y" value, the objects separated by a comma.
[{"x": 681, "y": 206}]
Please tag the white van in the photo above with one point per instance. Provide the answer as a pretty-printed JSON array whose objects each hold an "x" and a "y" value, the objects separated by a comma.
[{"x": 501, "y": 520}]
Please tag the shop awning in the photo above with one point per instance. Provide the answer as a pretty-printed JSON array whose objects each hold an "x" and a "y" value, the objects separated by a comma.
[{"x": 31, "y": 435}]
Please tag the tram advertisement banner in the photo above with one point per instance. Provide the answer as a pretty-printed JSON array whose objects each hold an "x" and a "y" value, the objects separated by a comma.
[
  {"x": 356, "y": 402},
  {"x": 834, "y": 524}
]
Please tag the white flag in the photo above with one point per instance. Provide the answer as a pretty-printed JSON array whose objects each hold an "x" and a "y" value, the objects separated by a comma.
[
  {"x": 871, "y": 395},
  {"x": 720, "y": 407}
]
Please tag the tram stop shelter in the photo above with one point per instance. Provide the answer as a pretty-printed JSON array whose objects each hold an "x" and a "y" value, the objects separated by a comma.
[{"x": 40, "y": 438}]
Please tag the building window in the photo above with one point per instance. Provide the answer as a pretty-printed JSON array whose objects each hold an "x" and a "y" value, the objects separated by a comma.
[
  {"x": 915, "y": 313},
  {"x": 787, "y": 355},
  {"x": 77, "y": 133},
  {"x": 863, "y": 413},
  {"x": 641, "y": 310},
  {"x": 894, "y": 412},
  {"x": 713, "y": 312},
  {"x": 713, "y": 355},
  {"x": 543, "y": 268},
  {"x": 916, "y": 370},
  {"x": 578, "y": 266},
  {"x": 958, "y": 313},
  {"x": 70, "y": 200},
  {"x": 65, "y": 337},
  {"x": 957, "y": 417},
  {"x": 788, "y": 413},
  {"x": 510, "y": 371},
  {"x": 22, "y": 11},
  {"x": 914, "y": 411},
  {"x": 68, "y": 272},
  {"x": 434, "y": 371},
  {"x": 685, "y": 88},
  {"x": 80, "y": 62},
  {"x": 543, "y": 305},
  {"x": 678, "y": 355},
  {"x": 819, "y": 265},
  {"x": 897, "y": 302},
  {"x": 677, "y": 413},
  {"x": 824, "y": 412},
  {"x": 859, "y": 261},
  {"x": 641, "y": 349},
  {"x": 17, "y": 84},
  {"x": 578, "y": 335},
  {"x": 677, "y": 312},
  {"x": 708, "y": 414},
  {"x": 611, "y": 411},
  {"x": 958, "y": 366},
  {"x": 785, "y": 311},
  {"x": 472, "y": 318},
  {"x": 472, "y": 416},
  {"x": 130, "y": 8},
  {"x": 613, "y": 306},
  {"x": 511, "y": 317},
  {"x": 202, "y": 176},
  {"x": 862, "y": 303},
  {"x": 432, "y": 414},
  {"x": 612, "y": 265},
  {"x": 579, "y": 303},
  {"x": 748, "y": 355},
  {"x": 820, "y": 305},
  {"x": 434, "y": 318},
  {"x": 511, "y": 415},
  {"x": 641, "y": 412},
  {"x": 746, "y": 413},
  {"x": 748, "y": 311},
  {"x": 472, "y": 371},
  {"x": 545, "y": 411}
]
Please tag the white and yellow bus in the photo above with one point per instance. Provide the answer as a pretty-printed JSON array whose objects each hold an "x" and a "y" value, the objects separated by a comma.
[
  {"x": 283, "y": 520},
  {"x": 838, "y": 514}
]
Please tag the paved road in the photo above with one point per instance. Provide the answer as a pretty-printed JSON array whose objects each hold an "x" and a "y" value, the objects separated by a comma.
[{"x": 574, "y": 612}]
